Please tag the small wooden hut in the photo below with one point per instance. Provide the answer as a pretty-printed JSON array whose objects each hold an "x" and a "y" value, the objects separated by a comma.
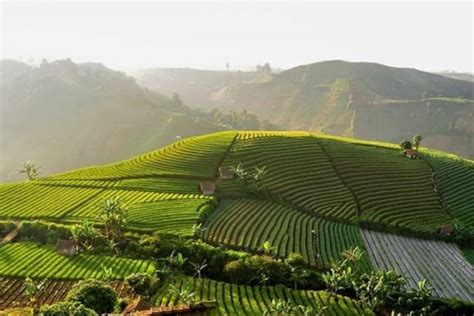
[{"x": 207, "y": 187}]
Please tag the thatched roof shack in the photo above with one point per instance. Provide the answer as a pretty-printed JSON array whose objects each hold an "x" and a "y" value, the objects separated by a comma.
[
  {"x": 207, "y": 187},
  {"x": 66, "y": 247},
  {"x": 226, "y": 173}
]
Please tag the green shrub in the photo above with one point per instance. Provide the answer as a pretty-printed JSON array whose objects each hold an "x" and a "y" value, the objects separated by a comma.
[
  {"x": 5, "y": 228},
  {"x": 66, "y": 308},
  {"x": 205, "y": 211},
  {"x": 140, "y": 283},
  {"x": 95, "y": 295},
  {"x": 295, "y": 260},
  {"x": 44, "y": 233}
]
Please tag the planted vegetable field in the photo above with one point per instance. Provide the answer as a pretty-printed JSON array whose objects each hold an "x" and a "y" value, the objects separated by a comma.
[
  {"x": 390, "y": 188},
  {"x": 455, "y": 180},
  {"x": 12, "y": 292},
  {"x": 167, "y": 216},
  {"x": 193, "y": 157},
  {"x": 247, "y": 224},
  {"x": 298, "y": 170},
  {"x": 441, "y": 263},
  {"x": 235, "y": 299},
  {"x": 31, "y": 200},
  {"x": 31, "y": 260}
]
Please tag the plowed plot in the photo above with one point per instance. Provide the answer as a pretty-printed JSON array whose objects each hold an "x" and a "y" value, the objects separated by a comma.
[
  {"x": 12, "y": 292},
  {"x": 441, "y": 264}
]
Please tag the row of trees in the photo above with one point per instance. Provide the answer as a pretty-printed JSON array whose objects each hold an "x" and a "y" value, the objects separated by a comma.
[{"x": 416, "y": 141}]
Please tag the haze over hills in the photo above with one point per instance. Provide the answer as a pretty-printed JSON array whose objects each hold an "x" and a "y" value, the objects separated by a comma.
[
  {"x": 458, "y": 75},
  {"x": 62, "y": 115},
  {"x": 365, "y": 100}
]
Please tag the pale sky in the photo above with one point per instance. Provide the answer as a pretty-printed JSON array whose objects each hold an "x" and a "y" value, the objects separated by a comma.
[{"x": 126, "y": 35}]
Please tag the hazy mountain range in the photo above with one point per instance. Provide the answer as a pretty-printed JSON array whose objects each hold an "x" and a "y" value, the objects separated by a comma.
[
  {"x": 63, "y": 115},
  {"x": 364, "y": 100}
]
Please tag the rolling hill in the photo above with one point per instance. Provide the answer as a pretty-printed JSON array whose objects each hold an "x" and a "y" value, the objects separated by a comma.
[
  {"x": 63, "y": 115},
  {"x": 319, "y": 196},
  {"x": 363, "y": 100}
]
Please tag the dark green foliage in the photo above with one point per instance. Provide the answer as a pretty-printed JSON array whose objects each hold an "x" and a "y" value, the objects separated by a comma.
[
  {"x": 5, "y": 228},
  {"x": 67, "y": 308},
  {"x": 140, "y": 283},
  {"x": 295, "y": 260},
  {"x": 95, "y": 295},
  {"x": 264, "y": 270},
  {"x": 43, "y": 232},
  {"x": 205, "y": 211},
  {"x": 406, "y": 144}
]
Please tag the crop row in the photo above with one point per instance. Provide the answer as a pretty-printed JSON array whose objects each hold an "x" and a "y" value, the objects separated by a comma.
[
  {"x": 196, "y": 156},
  {"x": 169, "y": 185},
  {"x": 91, "y": 207},
  {"x": 30, "y": 200},
  {"x": 441, "y": 264},
  {"x": 78, "y": 183},
  {"x": 169, "y": 216},
  {"x": 265, "y": 134},
  {"x": 32, "y": 260},
  {"x": 12, "y": 292},
  {"x": 249, "y": 223},
  {"x": 233, "y": 299},
  {"x": 298, "y": 170},
  {"x": 455, "y": 180},
  {"x": 390, "y": 188}
]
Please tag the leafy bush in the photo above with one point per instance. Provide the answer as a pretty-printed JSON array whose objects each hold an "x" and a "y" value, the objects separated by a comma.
[
  {"x": 44, "y": 233},
  {"x": 406, "y": 144},
  {"x": 140, "y": 283},
  {"x": 5, "y": 228},
  {"x": 67, "y": 308},
  {"x": 95, "y": 295}
]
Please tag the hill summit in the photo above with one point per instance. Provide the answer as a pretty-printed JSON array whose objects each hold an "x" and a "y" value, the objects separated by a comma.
[{"x": 290, "y": 192}]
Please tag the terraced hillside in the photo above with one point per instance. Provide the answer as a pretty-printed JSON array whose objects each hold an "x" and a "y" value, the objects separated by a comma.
[
  {"x": 31, "y": 260},
  {"x": 314, "y": 194},
  {"x": 12, "y": 291},
  {"x": 233, "y": 299},
  {"x": 247, "y": 224}
]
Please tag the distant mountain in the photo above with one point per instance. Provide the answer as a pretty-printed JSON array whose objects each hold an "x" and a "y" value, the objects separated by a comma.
[
  {"x": 365, "y": 100},
  {"x": 458, "y": 75},
  {"x": 196, "y": 87},
  {"x": 63, "y": 115}
]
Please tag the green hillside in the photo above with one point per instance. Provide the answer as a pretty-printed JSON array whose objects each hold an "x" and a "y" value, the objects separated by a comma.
[
  {"x": 315, "y": 194},
  {"x": 334, "y": 179},
  {"x": 83, "y": 114}
]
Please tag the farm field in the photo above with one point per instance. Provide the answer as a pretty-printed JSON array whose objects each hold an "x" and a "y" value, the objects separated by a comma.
[
  {"x": 441, "y": 263},
  {"x": 247, "y": 224},
  {"x": 315, "y": 195},
  {"x": 455, "y": 178},
  {"x": 234, "y": 299},
  {"x": 12, "y": 292},
  {"x": 389, "y": 188},
  {"x": 194, "y": 157},
  {"x": 31, "y": 260},
  {"x": 309, "y": 182}
]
